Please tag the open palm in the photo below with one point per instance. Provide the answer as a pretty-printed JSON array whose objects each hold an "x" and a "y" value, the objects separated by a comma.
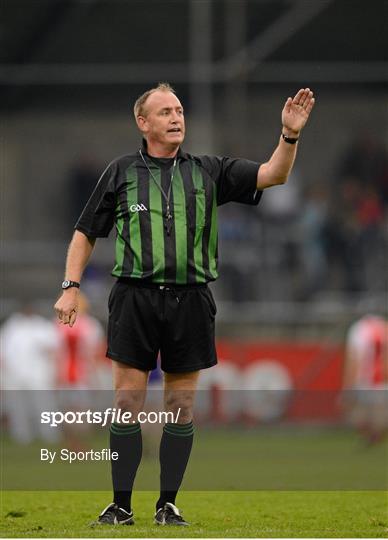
[{"x": 297, "y": 110}]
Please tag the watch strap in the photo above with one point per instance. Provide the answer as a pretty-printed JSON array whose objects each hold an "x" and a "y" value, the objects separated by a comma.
[
  {"x": 290, "y": 140},
  {"x": 67, "y": 284}
]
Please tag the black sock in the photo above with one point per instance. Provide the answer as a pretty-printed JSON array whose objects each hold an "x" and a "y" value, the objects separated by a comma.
[
  {"x": 127, "y": 442},
  {"x": 175, "y": 448}
]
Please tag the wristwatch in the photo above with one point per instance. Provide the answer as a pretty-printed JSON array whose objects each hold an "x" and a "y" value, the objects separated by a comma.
[
  {"x": 290, "y": 140},
  {"x": 68, "y": 283}
]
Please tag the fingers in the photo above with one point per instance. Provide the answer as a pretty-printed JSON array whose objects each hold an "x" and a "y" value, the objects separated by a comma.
[
  {"x": 304, "y": 98},
  {"x": 310, "y": 105},
  {"x": 298, "y": 97},
  {"x": 66, "y": 316},
  {"x": 288, "y": 104},
  {"x": 59, "y": 313},
  {"x": 73, "y": 317}
]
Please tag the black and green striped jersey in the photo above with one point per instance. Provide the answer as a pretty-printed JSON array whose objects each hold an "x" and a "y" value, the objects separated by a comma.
[{"x": 127, "y": 197}]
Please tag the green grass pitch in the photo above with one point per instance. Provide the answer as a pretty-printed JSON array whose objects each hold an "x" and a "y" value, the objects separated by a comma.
[
  {"x": 297, "y": 482},
  {"x": 211, "y": 514}
]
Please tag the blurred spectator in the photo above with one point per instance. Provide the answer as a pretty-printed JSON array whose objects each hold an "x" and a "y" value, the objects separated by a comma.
[
  {"x": 355, "y": 233},
  {"x": 366, "y": 158},
  {"x": 366, "y": 377},
  {"x": 281, "y": 208},
  {"x": 282, "y": 205},
  {"x": 237, "y": 229},
  {"x": 312, "y": 228},
  {"x": 234, "y": 224},
  {"x": 343, "y": 234},
  {"x": 370, "y": 213},
  {"x": 29, "y": 348}
]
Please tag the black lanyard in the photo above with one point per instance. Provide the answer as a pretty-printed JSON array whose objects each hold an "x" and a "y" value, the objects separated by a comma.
[{"x": 166, "y": 196}]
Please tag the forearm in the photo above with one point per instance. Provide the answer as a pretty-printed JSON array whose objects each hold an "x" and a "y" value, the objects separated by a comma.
[
  {"x": 78, "y": 254},
  {"x": 277, "y": 169},
  {"x": 294, "y": 117}
]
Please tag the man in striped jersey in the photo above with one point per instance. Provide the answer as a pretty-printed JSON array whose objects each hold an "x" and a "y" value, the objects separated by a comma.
[{"x": 163, "y": 203}]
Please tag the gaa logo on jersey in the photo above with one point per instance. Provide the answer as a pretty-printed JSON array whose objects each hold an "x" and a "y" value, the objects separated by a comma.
[{"x": 138, "y": 208}]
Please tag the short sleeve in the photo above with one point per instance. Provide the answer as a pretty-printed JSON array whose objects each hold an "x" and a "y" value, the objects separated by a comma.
[
  {"x": 236, "y": 179},
  {"x": 97, "y": 218}
]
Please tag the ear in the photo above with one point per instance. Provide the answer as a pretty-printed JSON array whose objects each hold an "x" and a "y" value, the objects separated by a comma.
[{"x": 142, "y": 124}]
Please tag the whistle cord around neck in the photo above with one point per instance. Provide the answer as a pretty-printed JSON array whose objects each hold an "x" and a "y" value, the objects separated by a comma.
[{"x": 166, "y": 196}]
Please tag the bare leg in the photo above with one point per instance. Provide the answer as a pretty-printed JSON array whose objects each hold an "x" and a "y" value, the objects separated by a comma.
[
  {"x": 130, "y": 386},
  {"x": 179, "y": 393}
]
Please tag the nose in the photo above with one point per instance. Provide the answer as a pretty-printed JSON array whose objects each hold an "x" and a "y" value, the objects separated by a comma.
[{"x": 175, "y": 117}]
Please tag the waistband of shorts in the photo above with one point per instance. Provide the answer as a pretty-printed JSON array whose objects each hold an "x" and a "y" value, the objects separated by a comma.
[{"x": 161, "y": 286}]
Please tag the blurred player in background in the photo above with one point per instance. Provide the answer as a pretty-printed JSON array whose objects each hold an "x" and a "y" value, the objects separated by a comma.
[
  {"x": 81, "y": 352},
  {"x": 366, "y": 377},
  {"x": 29, "y": 358},
  {"x": 82, "y": 348},
  {"x": 163, "y": 202}
]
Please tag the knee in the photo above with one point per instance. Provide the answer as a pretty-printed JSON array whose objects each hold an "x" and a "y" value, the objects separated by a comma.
[
  {"x": 129, "y": 400},
  {"x": 181, "y": 405}
]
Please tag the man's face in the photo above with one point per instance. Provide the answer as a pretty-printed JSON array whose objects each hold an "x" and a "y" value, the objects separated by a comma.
[{"x": 163, "y": 121}]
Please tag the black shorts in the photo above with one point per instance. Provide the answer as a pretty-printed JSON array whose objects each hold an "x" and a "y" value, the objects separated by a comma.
[{"x": 177, "y": 321}]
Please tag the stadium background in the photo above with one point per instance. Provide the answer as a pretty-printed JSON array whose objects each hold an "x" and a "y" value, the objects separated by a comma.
[
  {"x": 303, "y": 266},
  {"x": 294, "y": 273}
]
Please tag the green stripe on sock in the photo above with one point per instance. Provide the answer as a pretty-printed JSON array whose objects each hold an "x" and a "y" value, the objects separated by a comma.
[
  {"x": 114, "y": 428},
  {"x": 179, "y": 427},
  {"x": 171, "y": 428},
  {"x": 176, "y": 434},
  {"x": 182, "y": 430},
  {"x": 121, "y": 432},
  {"x": 124, "y": 429}
]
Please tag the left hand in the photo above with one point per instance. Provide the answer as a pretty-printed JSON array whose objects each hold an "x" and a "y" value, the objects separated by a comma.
[{"x": 296, "y": 112}]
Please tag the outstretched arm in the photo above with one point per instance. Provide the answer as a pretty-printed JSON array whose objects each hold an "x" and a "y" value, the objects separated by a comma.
[
  {"x": 295, "y": 114},
  {"x": 80, "y": 249}
]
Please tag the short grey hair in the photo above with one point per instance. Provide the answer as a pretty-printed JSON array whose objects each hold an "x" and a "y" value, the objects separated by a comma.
[{"x": 138, "y": 109}]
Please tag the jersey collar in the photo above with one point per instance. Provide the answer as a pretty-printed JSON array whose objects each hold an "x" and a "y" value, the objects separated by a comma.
[{"x": 180, "y": 154}]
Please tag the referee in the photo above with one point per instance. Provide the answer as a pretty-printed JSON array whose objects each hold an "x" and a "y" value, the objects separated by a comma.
[{"x": 163, "y": 203}]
